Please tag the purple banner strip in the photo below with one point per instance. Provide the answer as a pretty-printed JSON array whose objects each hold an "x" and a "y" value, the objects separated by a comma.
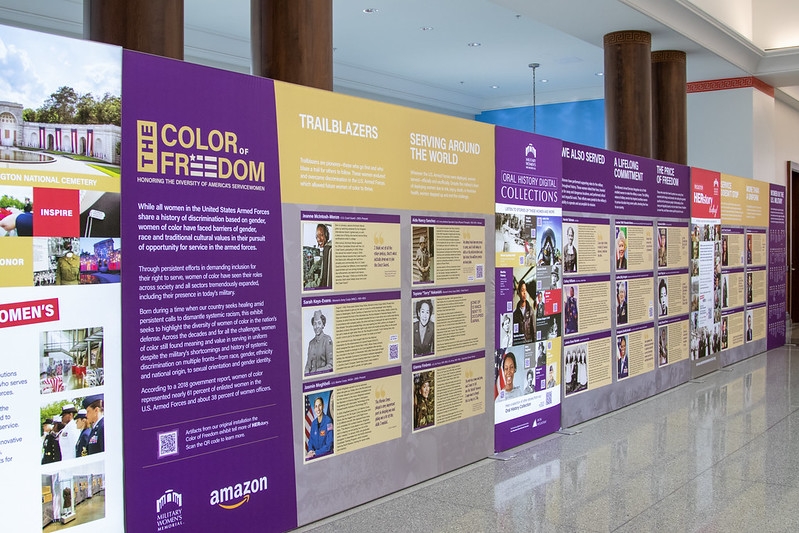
[
  {"x": 340, "y": 299},
  {"x": 445, "y": 221},
  {"x": 633, "y": 329},
  {"x": 586, "y": 338},
  {"x": 672, "y": 320},
  {"x": 526, "y": 428},
  {"x": 628, "y": 222},
  {"x": 349, "y": 217},
  {"x": 338, "y": 381},
  {"x": 446, "y": 361},
  {"x": 447, "y": 291},
  {"x": 637, "y": 275},
  {"x": 586, "y": 220}
]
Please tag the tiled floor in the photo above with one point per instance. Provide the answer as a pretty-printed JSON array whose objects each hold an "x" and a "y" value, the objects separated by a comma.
[{"x": 717, "y": 455}]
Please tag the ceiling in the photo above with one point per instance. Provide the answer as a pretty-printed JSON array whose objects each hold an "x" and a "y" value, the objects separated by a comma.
[{"x": 387, "y": 55}]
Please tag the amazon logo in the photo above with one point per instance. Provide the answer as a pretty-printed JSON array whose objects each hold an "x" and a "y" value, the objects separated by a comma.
[{"x": 234, "y": 496}]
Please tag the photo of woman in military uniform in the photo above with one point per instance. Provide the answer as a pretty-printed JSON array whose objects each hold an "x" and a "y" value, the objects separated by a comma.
[{"x": 424, "y": 405}]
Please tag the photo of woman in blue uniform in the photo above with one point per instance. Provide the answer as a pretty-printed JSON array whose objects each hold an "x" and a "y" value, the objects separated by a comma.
[{"x": 320, "y": 435}]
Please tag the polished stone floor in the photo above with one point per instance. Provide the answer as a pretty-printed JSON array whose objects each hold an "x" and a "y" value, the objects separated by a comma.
[{"x": 716, "y": 454}]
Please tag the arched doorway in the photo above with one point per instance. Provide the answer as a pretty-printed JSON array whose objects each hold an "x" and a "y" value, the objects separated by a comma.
[
  {"x": 8, "y": 129},
  {"x": 99, "y": 149}
]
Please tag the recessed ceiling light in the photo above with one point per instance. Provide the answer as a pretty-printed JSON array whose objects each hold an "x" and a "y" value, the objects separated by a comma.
[
  {"x": 544, "y": 81},
  {"x": 370, "y": 10},
  {"x": 426, "y": 28},
  {"x": 473, "y": 45},
  {"x": 495, "y": 86},
  {"x": 600, "y": 73}
]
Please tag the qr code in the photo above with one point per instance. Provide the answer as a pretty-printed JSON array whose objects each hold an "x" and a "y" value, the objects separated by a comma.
[
  {"x": 393, "y": 352},
  {"x": 167, "y": 443},
  {"x": 479, "y": 272},
  {"x": 549, "y": 397}
]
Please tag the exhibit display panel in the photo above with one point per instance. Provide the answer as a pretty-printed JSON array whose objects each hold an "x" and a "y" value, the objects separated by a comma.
[
  {"x": 385, "y": 216},
  {"x": 208, "y": 431},
  {"x": 61, "y": 260},
  {"x": 626, "y": 295},
  {"x": 706, "y": 271},
  {"x": 744, "y": 219},
  {"x": 777, "y": 265},
  {"x": 530, "y": 260}
]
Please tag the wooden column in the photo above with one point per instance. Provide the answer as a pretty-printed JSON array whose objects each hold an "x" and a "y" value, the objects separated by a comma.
[
  {"x": 669, "y": 107},
  {"x": 628, "y": 92},
  {"x": 292, "y": 40},
  {"x": 151, "y": 26}
]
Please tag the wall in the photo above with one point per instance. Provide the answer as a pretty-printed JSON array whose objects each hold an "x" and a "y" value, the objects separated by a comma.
[
  {"x": 786, "y": 138},
  {"x": 720, "y": 126}
]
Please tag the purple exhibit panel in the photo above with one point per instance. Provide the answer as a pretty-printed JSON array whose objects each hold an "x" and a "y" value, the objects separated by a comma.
[
  {"x": 777, "y": 261},
  {"x": 612, "y": 183},
  {"x": 672, "y": 186},
  {"x": 208, "y": 435},
  {"x": 528, "y": 210}
]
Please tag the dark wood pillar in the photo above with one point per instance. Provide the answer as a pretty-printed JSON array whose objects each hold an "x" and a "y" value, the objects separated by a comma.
[
  {"x": 669, "y": 107},
  {"x": 628, "y": 92},
  {"x": 292, "y": 40},
  {"x": 152, "y": 26}
]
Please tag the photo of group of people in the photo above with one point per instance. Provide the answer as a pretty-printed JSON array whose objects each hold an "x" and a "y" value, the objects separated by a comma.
[
  {"x": 71, "y": 360},
  {"x": 423, "y": 255},
  {"x": 575, "y": 371},
  {"x": 424, "y": 403},
  {"x": 318, "y": 426},
  {"x": 705, "y": 340},
  {"x": 72, "y": 428},
  {"x": 317, "y": 256},
  {"x": 705, "y": 314}
]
